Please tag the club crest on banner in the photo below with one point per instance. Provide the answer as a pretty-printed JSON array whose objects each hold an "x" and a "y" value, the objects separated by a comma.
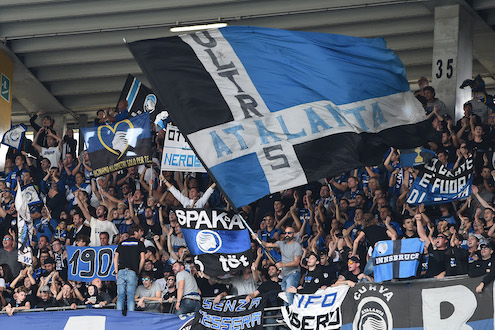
[
  {"x": 150, "y": 103},
  {"x": 120, "y": 140},
  {"x": 373, "y": 313},
  {"x": 208, "y": 241}
]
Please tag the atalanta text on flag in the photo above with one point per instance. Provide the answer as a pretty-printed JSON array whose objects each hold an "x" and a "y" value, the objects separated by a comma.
[
  {"x": 219, "y": 240},
  {"x": 269, "y": 109},
  {"x": 436, "y": 184},
  {"x": 123, "y": 144}
]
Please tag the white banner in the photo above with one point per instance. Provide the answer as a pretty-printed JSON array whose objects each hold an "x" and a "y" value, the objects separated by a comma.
[
  {"x": 24, "y": 228},
  {"x": 318, "y": 311},
  {"x": 177, "y": 154}
]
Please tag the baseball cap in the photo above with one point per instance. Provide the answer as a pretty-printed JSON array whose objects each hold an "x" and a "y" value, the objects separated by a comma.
[{"x": 355, "y": 259}]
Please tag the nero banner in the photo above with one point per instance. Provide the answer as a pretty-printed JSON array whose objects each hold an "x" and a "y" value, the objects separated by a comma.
[
  {"x": 177, "y": 154},
  {"x": 94, "y": 319},
  {"x": 436, "y": 184},
  {"x": 230, "y": 314},
  {"x": 219, "y": 239},
  {"x": 87, "y": 263},
  {"x": 450, "y": 303}
]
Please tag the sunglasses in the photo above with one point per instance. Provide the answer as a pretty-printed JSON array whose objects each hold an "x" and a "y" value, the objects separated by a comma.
[
  {"x": 7, "y": 239},
  {"x": 350, "y": 262},
  {"x": 145, "y": 279}
]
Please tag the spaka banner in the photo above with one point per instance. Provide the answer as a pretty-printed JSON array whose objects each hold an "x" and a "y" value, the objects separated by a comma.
[{"x": 219, "y": 240}]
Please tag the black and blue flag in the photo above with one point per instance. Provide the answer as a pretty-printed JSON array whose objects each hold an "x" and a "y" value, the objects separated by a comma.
[
  {"x": 119, "y": 145},
  {"x": 396, "y": 259},
  {"x": 435, "y": 184},
  {"x": 219, "y": 240}
]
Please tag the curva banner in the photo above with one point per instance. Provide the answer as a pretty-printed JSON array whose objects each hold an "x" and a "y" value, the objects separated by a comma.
[
  {"x": 450, "y": 303},
  {"x": 87, "y": 263}
]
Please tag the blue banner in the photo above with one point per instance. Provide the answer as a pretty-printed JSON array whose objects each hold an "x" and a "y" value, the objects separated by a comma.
[
  {"x": 396, "y": 259},
  {"x": 435, "y": 184},
  {"x": 94, "y": 319},
  {"x": 90, "y": 262}
]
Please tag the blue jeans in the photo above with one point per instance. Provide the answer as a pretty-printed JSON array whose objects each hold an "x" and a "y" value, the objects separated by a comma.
[
  {"x": 289, "y": 280},
  {"x": 127, "y": 282},
  {"x": 188, "y": 306}
]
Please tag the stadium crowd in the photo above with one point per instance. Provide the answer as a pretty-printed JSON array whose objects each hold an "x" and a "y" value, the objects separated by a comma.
[{"x": 317, "y": 235}]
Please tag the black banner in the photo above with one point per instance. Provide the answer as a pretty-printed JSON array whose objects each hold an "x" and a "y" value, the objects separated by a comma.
[
  {"x": 451, "y": 303},
  {"x": 231, "y": 314},
  {"x": 219, "y": 240}
]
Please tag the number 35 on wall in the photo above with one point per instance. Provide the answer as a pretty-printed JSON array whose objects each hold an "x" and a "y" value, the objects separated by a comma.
[{"x": 448, "y": 70}]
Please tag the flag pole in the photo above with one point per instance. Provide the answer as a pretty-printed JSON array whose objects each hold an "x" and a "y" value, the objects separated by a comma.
[{"x": 236, "y": 210}]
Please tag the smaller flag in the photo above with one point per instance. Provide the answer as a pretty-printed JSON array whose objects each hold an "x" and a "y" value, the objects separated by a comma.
[
  {"x": 478, "y": 87},
  {"x": 31, "y": 195},
  {"x": 120, "y": 145},
  {"x": 230, "y": 314},
  {"x": 320, "y": 310},
  {"x": 435, "y": 184},
  {"x": 396, "y": 259},
  {"x": 25, "y": 228},
  {"x": 140, "y": 98},
  {"x": 415, "y": 157},
  {"x": 219, "y": 240},
  {"x": 177, "y": 154},
  {"x": 14, "y": 136}
]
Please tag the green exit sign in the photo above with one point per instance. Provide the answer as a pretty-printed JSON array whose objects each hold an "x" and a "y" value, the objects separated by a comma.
[{"x": 5, "y": 90}]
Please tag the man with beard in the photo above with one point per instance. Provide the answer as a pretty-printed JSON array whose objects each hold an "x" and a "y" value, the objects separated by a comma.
[
  {"x": 99, "y": 224},
  {"x": 291, "y": 252},
  {"x": 78, "y": 228}
]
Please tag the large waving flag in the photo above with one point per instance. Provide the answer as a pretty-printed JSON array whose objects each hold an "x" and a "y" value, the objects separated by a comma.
[
  {"x": 14, "y": 136},
  {"x": 123, "y": 144},
  {"x": 25, "y": 227},
  {"x": 269, "y": 109}
]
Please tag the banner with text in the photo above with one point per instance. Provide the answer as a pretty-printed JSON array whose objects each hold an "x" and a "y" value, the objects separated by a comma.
[
  {"x": 119, "y": 145},
  {"x": 450, "y": 303},
  {"x": 232, "y": 313},
  {"x": 177, "y": 154},
  {"x": 435, "y": 184},
  {"x": 90, "y": 262},
  {"x": 320, "y": 310},
  {"x": 95, "y": 319},
  {"x": 219, "y": 240}
]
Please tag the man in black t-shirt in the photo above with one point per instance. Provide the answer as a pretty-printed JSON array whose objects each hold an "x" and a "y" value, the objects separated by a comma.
[
  {"x": 353, "y": 274},
  {"x": 313, "y": 278},
  {"x": 129, "y": 261}
]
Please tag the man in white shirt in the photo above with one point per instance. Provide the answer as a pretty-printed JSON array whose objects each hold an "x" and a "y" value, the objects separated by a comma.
[
  {"x": 53, "y": 152},
  {"x": 99, "y": 224}
]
